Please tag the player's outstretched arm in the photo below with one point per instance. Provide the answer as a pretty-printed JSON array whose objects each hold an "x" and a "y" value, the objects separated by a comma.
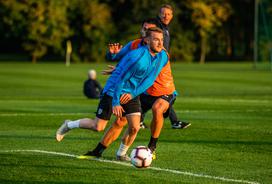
[
  {"x": 109, "y": 70},
  {"x": 114, "y": 48},
  {"x": 122, "y": 51}
]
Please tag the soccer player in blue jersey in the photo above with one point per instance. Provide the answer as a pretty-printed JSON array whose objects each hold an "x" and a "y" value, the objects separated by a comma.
[
  {"x": 116, "y": 52},
  {"x": 135, "y": 73},
  {"x": 159, "y": 97}
]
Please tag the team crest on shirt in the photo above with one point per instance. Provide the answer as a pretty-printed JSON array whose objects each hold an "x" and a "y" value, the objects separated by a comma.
[{"x": 99, "y": 111}]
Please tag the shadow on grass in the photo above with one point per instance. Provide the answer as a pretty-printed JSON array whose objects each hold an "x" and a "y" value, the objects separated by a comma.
[
  {"x": 64, "y": 167},
  {"x": 223, "y": 142}
]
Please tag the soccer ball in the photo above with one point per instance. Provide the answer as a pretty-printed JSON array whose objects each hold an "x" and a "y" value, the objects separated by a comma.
[{"x": 141, "y": 157}]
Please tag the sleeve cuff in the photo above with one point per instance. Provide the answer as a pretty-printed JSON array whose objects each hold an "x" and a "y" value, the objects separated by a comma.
[{"x": 110, "y": 56}]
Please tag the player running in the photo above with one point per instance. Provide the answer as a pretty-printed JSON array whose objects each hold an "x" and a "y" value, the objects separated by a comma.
[
  {"x": 159, "y": 98},
  {"x": 136, "y": 71}
]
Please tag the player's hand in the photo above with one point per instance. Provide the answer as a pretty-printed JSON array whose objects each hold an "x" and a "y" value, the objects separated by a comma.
[
  {"x": 118, "y": 110},
  {"x": 114, "y": 48},
  {"x": 125, "y": 98},
  {"x": 109, "y": 70}
]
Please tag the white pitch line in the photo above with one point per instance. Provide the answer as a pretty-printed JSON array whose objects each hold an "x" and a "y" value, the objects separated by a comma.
[
  {"x": 41, "y": 151},
  {"x": 129, "y": 165}
]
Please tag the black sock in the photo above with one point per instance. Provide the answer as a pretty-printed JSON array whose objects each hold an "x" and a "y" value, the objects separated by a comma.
[
  {"x": 152, "y": 143},
  {"x": 99, "y": 149}
]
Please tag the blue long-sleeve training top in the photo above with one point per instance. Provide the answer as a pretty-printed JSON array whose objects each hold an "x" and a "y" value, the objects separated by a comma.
[
  {"x": 135, "y": 73},
  {"x": 127, "y": 48}
]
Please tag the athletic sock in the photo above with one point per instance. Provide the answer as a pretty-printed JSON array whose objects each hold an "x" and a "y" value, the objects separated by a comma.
[
  {"x": 122, "y": 149},
  {"x": 152, "y": 143},
  {"x": 73, "y": 124},
  {"x": 99, "y": 149}
]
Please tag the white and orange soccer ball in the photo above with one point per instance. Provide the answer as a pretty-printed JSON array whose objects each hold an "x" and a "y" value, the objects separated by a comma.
[{"x": 141, "y": 157}]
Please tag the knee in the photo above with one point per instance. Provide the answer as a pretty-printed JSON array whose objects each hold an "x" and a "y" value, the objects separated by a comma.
[
  {"x": 99, "y": 127},
  {"x": 157, "y": 109},
  {"x": 120, "y": 123},
  {"x": 134, "y": 130}
]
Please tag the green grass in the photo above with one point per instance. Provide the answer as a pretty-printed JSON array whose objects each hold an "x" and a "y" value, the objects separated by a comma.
[{"x": 229, "y": 106}]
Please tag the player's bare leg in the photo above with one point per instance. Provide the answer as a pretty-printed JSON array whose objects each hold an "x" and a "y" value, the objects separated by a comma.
[
  {"x": 114, "y": 131},
  {"x": 129, "y": 136},
  {"x": 110, "y": 135},
  {"x": 96, "y": 124},
  {"x": 133, "y": 128},
  {"x": 159, "y": 107}
]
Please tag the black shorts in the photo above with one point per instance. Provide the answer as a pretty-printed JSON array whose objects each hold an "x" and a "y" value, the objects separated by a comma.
[
  {"x": 104, "y": 109},
  {"x": 147, "y": 102}
]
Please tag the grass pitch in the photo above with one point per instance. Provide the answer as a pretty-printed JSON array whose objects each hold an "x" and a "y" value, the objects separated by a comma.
[{"x": 229, "y": 106}]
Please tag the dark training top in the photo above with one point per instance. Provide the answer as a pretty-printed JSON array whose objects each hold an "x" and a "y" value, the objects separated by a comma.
[
  {"x": 166, "y": 35},
  {"x": 92, "y": 88}
]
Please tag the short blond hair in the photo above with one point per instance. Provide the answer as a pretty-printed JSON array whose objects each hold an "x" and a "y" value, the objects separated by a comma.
[
  {"x": 153, "y": 29},
  {"x": 168, "y": 6}
]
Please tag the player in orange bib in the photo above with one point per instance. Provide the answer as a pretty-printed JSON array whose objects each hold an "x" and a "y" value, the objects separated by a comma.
[{"x": 159, "y": 97}]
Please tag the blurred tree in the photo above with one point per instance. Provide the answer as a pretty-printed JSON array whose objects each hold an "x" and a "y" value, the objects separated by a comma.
[
  {"x": 239, "y": 30},
  {"x": 44, "y": 24},
  {"x": 183, "y": 46},
  {"x": 208, "y": 15},
  {"x": 265, "y": 30},
  {"x": 128, "y": 16},
  {"x": 92, "y": 25},
  {"x": 12, "y": 25},
  {"x": 210, "y": 28}
]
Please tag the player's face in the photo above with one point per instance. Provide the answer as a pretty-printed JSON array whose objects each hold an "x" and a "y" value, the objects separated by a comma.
[
  {"x": 156, "y": 42},
  {"x": 166, "y": 15},
  {"x": 145, "y": 27}
]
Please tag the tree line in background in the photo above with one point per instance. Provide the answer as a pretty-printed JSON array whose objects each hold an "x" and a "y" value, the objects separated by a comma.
[{"x": 201, "y": 29}]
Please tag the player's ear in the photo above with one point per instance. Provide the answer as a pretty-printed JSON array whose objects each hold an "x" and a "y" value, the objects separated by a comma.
[{"x": 147, "y": 40}]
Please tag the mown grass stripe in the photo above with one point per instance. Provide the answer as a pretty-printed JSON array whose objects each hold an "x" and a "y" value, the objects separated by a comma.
[{"x": 178, "y": 111}]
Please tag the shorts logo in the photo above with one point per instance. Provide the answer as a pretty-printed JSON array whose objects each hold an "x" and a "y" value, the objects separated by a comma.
[{"x": 99, "y": 111}]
